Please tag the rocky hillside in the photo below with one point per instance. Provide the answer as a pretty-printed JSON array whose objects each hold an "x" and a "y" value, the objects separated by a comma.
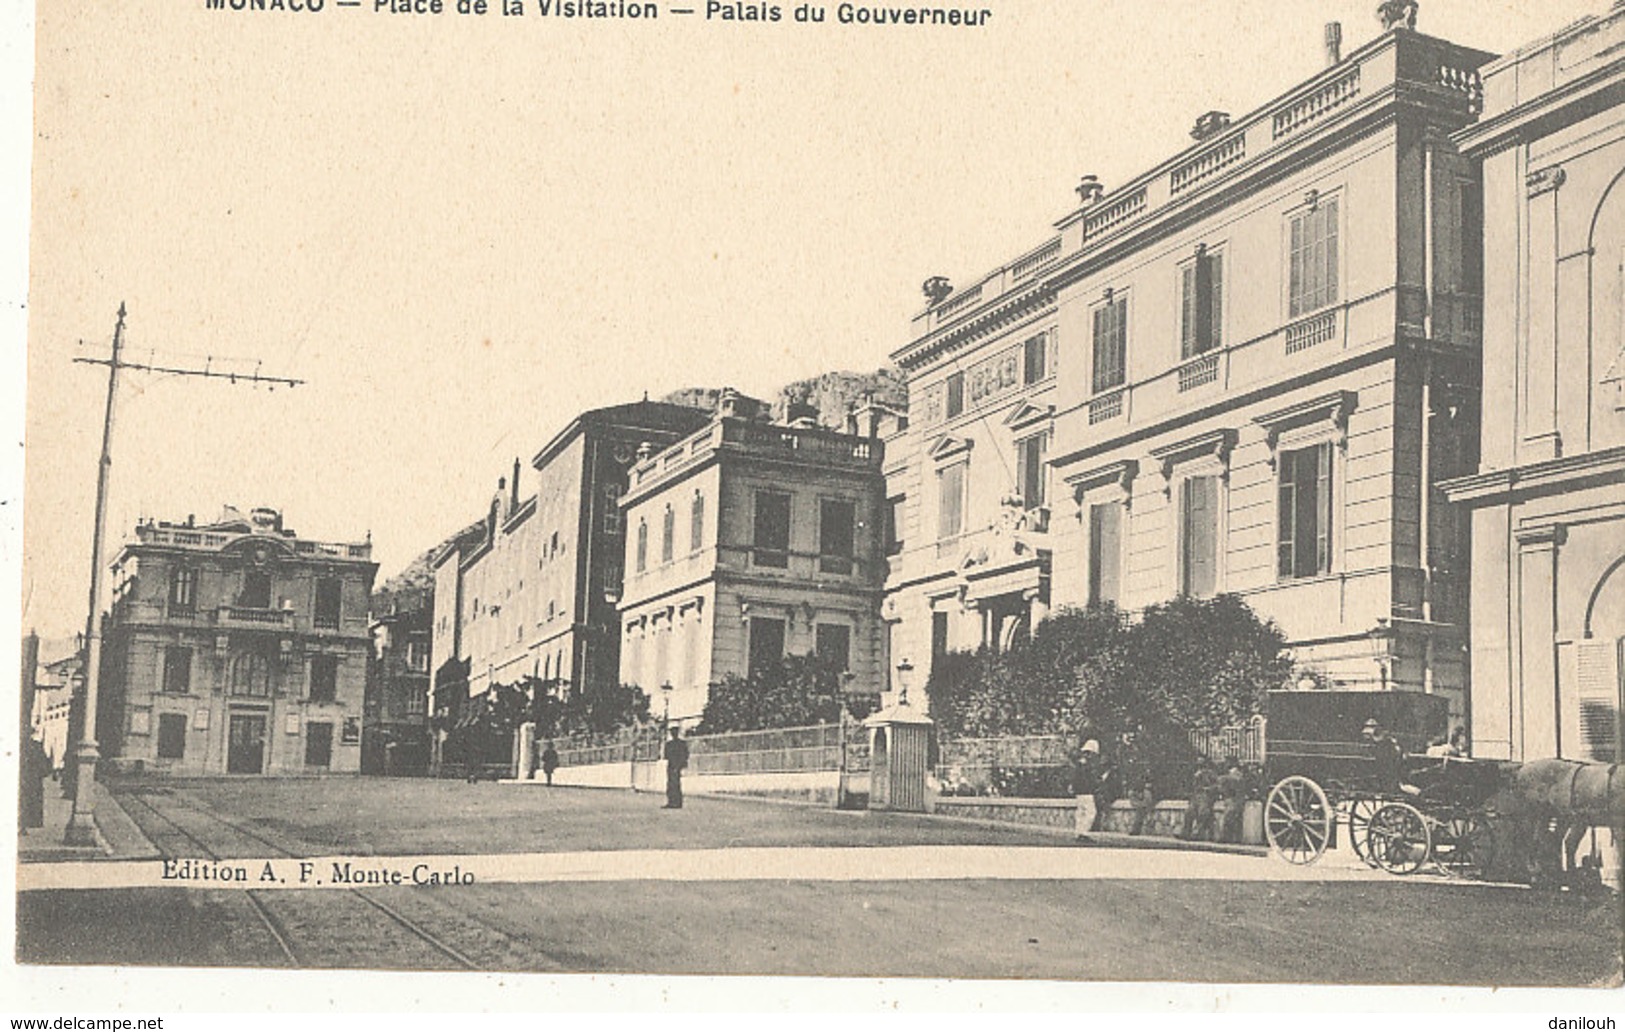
[
  {"x": 834, "y": 394},
  {"x": 413, "y": 587}
]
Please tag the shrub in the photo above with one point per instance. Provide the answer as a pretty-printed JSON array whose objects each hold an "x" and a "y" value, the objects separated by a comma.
[{"x": 795, "y": 692}]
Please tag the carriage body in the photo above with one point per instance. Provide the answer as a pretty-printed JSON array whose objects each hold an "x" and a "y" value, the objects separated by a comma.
[{"x": 1324, "y": 776}]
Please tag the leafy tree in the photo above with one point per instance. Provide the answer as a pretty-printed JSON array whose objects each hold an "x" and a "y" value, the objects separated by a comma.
[{"x": 795, "y": 692}]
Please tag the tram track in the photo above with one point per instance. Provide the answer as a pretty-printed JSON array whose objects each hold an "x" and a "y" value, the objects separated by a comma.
[{"x": 298, "y": 914}]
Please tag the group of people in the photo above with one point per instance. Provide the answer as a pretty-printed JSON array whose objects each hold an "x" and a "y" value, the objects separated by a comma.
[{"x": 1099, "y": 780}]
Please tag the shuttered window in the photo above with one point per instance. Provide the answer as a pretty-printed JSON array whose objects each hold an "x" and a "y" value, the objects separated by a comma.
[
  {"x": 1313, "y": 260},
  {"x": 1111, "y": 344},
  {"x": 1030, "y": 470},
  {"x": 1199, "y": 536},
  {"x": 950, "y": 501},
  {"x": 1304, "y": 512},
  {"x": 1201, "y": 304},
  {"x": 1105, "y": 552}
]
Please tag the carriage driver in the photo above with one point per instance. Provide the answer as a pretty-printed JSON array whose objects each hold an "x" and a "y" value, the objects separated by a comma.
[{"x": 1388, "y": 758}]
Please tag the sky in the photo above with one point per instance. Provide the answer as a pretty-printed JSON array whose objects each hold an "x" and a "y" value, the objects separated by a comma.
[{"x": 460, "y": 231}]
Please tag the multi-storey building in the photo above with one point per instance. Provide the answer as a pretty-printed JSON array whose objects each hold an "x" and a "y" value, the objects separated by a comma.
[
  {"x": 748, "y": 541},
  {"x": 1244, "y": 370},
  {"x": 395, "y": 733},
  {"x": 1548, "y": 502},
  {"x": 235, "y": 647},
  {"x": 531, "y": 595}
]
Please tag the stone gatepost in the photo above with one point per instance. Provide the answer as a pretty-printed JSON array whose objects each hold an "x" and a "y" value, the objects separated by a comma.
[{"x": 524, "y": 766}]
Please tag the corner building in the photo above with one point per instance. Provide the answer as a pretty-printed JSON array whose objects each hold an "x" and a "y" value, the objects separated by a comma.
[
  {"x": 748, "y": 541},
  {"x": 236, "y": 647},
  {"x": 1548, "y": 500},
  {"x": 1258, "y": 360}
]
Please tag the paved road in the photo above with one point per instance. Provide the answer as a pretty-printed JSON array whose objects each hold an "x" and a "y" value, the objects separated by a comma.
[{"x": 674, "y": 892}]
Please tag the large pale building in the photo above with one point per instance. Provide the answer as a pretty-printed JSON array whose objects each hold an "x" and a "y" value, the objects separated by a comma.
[
  {"x": 1244, "y": 370},
  {"x": 1548, "y": 500},
  {"x": 235, "y": 647},
  {"x": 529, "y": 596},
  {"x": 748, "y": 541}
]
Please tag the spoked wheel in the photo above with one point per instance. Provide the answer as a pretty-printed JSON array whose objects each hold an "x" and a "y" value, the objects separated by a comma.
[
  {"x": 1298, "y": 820},
  {"x": 1463, "y": 845},
  {"x": 1399, "y": 840},
  {"x": 1360, "y": 811}
]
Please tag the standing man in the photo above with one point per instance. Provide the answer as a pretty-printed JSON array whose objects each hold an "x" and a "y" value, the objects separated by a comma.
[
  {"x": 1233, "y": 791},
  {"x": 550, "y": 761},
  {"x": 1086, "y": 773},
  {"x": 676, "y": 760}
]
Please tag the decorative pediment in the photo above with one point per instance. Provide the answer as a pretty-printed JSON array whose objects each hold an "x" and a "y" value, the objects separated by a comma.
[
  {"x": 1121, "y": 473},
  {"x": 1027, "y": 414},
  {"x": 1216, "y": 444},
  {"x": 947, "y": 446},
  {"x": 1331, "y": 409}
]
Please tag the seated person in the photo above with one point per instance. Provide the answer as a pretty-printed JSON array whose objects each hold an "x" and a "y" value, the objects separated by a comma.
[{"x": 1388, "y": 760}]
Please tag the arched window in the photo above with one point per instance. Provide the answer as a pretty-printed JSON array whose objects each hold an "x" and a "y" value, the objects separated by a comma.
[
  {"x": 251, "y": 675},
  {"x": 696, "y": 528},
  {"x": 643, "y": 546},
  {"x": 668, "y": 530}
]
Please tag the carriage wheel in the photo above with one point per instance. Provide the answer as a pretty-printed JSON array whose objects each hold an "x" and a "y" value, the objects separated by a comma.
[
  {"x": 1360, "y": 812},
  {"x": 1298, "y": 820},
  {"x": 1464, "y": 845},
  {"x": 1399, "y": 841}
]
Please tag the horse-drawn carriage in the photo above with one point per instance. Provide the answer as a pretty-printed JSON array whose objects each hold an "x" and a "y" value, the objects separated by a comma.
[{"x": 1326, "y": 775}]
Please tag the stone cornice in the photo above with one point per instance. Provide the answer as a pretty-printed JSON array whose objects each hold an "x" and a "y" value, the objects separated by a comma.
[{"x": 1547, "y": 477}]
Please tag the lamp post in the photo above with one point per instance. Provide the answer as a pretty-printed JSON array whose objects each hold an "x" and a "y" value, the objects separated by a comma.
[
  {"x": 665, "y": 706},
  {"x": 1381, "y": 637},
  {"x": 904, "y": 669}
]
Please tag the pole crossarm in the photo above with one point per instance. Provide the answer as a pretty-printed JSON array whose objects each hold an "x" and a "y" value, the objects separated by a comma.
[{"x": 210, "y": 373}]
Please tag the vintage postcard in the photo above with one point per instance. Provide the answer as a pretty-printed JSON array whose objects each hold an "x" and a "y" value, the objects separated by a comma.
[{"x": 1006, "y": 499}]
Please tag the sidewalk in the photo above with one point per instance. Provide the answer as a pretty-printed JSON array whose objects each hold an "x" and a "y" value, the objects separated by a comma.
[{"x": 117, "y": 835}]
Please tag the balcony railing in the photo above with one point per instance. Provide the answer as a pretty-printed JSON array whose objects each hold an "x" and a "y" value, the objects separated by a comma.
[
  {"x": 256, "y": 617},
  {"x": 1200, "y": 373},
  {"x": 1107, "y": 406},
  {"x": 1317, "y": 329},
  {"x": 1318, "y": 104}
]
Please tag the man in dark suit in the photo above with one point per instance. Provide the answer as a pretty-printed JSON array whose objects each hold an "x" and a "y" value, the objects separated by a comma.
[{"x": 676, "y": 760}]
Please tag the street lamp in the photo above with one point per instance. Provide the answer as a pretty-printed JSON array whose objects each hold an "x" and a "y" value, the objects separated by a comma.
[
  {"x": 1381, "y": 637},
  {"x": 665, "y": 701},
  {"x": 904, "y": 669}
]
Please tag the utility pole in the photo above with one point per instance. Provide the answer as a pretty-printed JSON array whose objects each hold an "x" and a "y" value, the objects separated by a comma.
[{"x": 82, "y": 825}]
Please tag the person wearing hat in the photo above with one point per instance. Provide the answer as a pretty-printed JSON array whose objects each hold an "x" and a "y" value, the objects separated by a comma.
[
  {"x": 1086, "y": 781},
  {"x": 1198, "y": 823},
  {"x": 1387, "y": 759}
]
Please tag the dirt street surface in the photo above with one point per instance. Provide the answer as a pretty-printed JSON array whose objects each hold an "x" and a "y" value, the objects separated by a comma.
[{"x": 927, "y": 910}]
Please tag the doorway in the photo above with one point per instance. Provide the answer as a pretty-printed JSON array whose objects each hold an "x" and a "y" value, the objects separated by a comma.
[{"x": 245, "y": 753}]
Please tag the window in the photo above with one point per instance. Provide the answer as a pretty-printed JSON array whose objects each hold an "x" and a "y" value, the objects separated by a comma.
[
  {"x": 417, "y": 702},
  {"x": 1105, "y": 552},
  {"x": 837, "y": 521},
  {"x": 894, "y": 525},
  {"x": 1304, "y": 515},
  {"x": 939, "y": 634},
  {"x": 171, "y": 736},
  {"x": 417, "y": 656},
  {"x": 956, "y": 394},
  {"x": 696, "y": 523},
  {"x": 1472, "y": 238},
  {"x": 1198, "y": 536},
  {"x": 1035, "y": 359},
  {"x": 1030, "y": 470},
  {"x": 324, "y": 678},
  {"x": 1201, "y": 303},
  {"x": 610, "y": 580},
  {"x": 1312, "y": 282},
  {"x": 643, "y": 546},
  {"x": 182, "y": 590},
  {"x": 318, "y": 745},
  {"x": 835, "y": 645},
  {"x": 950, "y": 501},
  {"x": 256, "y": 593},
  {"x": 328, "y": 593},
  {"x": 612, "y": 508},
  {"x": 1111, "y": 344},
  {"x": 772, "y": 530},
  {"x": 177, "y": 669},
  {"x": 668, "y": 531},
  {"x": 250, "y": 675},
  {"x": 766, "y": 644}
]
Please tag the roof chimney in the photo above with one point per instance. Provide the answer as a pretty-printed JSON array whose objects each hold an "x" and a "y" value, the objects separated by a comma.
[
  {"x": 1334, "y": 43},
  {"x": 513, "y": 486}
]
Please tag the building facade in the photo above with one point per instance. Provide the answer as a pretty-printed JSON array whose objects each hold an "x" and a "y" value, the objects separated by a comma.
[
  {"x": 1245, "y": 370},
  {"x": 235, "y": 647},
  {"x": 1548, "y": 500},
  {"x": 395, "y": 734},
  {"x": 748, "y": 541},
  {"x": 530, "y": 597}
]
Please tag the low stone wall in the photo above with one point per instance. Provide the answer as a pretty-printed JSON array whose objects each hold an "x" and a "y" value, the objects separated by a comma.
[
  {"x": 1166, "y": 821},
  {"x": 597, "y": 775},
  {"x": 1049, "y": 813},
  {"x": 810, "y": 787}
]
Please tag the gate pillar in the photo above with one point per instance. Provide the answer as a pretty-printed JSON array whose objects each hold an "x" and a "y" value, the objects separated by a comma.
[{"x": 899, "y": 740}]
